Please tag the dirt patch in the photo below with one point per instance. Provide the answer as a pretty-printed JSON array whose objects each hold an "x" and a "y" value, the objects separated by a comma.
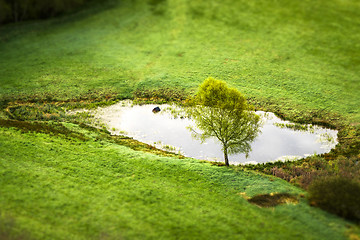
[{"x": 273, "y": 199}]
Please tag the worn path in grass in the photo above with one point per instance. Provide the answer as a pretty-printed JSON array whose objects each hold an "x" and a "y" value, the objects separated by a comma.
[{"x": 52, "y": 187}]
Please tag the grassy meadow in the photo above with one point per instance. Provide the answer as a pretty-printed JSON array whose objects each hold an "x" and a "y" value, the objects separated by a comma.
[
  {"x": 297, "y": 54},
  {"x": 57, "y": 187},
  {"x": 62, "y": 180}
]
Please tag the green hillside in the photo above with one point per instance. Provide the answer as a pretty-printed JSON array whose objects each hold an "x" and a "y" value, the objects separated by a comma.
[
  {"x": 294, "y": 53},
  {"x": 62, "y": 180},
  {"x": 56, "y": 187}
]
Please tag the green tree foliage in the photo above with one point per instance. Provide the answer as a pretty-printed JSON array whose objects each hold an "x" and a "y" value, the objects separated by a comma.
[
  {"x": 5, "y": 11},
  {"x": 222, "y": 112},
  {"x": 19, "y": 10},
  {"x": 336, "y": 194}
]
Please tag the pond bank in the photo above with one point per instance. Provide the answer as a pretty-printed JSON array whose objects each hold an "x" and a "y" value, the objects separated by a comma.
[{"x": 277, "y": 142}]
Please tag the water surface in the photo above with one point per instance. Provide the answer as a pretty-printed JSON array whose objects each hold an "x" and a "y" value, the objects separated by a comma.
[{"x": 164, "y": 131}]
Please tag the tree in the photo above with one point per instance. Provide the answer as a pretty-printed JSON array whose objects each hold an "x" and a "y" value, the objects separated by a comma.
[
  {"x": 20, "y": 10},
  {"x": 223, "y": 112}
]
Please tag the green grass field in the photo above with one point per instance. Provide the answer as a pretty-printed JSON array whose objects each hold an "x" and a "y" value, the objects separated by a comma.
[
  {"x": 293, "y": 53},
  {"x": 299, "y": 56},
  {"x": 64, "y": 188}
]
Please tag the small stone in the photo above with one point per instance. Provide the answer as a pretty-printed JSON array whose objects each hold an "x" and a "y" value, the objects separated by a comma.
[{"x": 156, "y": 110}]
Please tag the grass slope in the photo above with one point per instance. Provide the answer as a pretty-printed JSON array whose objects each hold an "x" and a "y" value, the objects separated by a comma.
[
  {"x": 299, "y": 54},
  {"x": 55, "y": 187}
]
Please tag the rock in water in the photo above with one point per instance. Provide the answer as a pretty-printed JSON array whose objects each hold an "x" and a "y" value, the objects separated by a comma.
[{"x": 156, "y": 110}]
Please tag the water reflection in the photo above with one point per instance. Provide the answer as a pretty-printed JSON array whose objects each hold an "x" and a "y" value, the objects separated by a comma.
[{"x": 163, "y": 130}]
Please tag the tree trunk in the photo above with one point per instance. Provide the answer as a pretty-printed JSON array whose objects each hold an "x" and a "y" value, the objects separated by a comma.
[
  {"x": 15, "y": 11},
  {"x": 226, "y": 157}
]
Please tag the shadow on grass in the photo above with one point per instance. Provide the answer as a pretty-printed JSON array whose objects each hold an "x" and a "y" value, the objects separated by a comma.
[
  {"x": 273, "y": 199},
  {"x": 9, "y": 231}
]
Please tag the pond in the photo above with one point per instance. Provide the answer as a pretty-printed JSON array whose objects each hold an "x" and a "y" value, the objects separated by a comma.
[{"x": 277, "y": 141}]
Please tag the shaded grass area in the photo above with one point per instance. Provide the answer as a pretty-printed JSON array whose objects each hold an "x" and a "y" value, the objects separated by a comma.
[
  {"x": 70, "y": 131},
  {"x": 42, "y": 127},
  {"x": 139, "y": 146},
  {"x": 302, "y": 56},
  {"x": 272, "y": 200},
  {"x": 55, "y": 187}
]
